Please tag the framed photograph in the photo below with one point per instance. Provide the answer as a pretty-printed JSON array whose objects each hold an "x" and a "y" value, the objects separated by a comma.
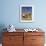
[{"x": 26, "y": 13}]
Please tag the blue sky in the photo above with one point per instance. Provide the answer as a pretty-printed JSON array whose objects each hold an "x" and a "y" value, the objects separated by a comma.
[{"x": 26, "y": 9}]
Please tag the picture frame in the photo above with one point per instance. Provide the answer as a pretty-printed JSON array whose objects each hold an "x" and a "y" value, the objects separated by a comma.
[{"x": 26, "y": 13}]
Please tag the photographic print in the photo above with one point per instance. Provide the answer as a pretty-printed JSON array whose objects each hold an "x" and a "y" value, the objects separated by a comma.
[{"x": 26, "y": 13}]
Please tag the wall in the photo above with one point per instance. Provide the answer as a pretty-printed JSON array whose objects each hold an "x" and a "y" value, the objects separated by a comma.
[{"x": 10, "y": 13}]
